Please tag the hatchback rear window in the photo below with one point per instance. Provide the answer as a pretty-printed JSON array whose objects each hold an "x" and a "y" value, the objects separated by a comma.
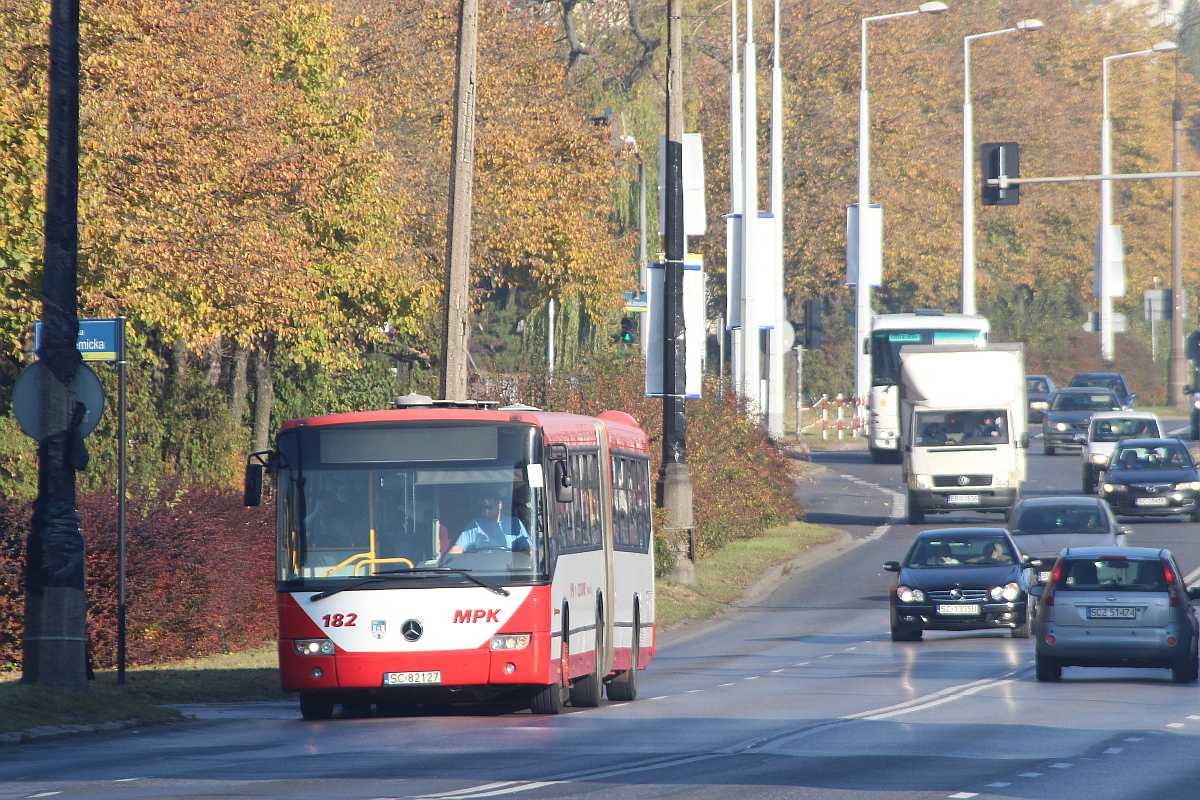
[{"x": 1118, "y": 574}]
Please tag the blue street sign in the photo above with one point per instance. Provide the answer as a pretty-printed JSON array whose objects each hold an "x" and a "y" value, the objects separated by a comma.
[
  {"x": 99, "y": 339},
  {"x": 635, "y": 302}
]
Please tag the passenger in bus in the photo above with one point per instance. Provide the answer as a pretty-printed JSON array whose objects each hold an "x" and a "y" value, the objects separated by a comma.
[{"x": 492, "y": 529}]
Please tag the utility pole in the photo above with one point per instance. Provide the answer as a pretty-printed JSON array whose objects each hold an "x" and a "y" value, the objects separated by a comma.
[
  {"x": 55, "y": 641},
  {"x": 674, "y": 485},
  {"x": 458, "y": 239}
]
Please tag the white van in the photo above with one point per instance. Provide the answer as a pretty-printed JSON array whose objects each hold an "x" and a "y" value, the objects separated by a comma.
[{"x": 1104, "y": 431}]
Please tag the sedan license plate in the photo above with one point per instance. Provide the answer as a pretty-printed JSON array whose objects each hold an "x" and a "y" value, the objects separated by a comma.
[
  {"x": 958, "y": 609},
  {"x": 412, "y": 678},
  {"x": 1043, "y": 577},
  {"x": 1151, "y": 501},
  {"x": 1112, "y": 613},
  {"x": 963, "y": 499}
]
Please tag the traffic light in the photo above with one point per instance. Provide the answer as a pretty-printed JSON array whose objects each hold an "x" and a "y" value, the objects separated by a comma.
[
  {"x": 628, "y": 327},
  {"x": 1000, "y": 159},
  {"x": 813, "y": 330}
]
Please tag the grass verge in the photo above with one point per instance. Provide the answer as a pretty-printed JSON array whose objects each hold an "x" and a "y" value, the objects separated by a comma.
[{"x": 253, "y": 676}]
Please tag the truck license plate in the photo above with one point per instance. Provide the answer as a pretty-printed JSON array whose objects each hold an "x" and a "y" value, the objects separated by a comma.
[
  {"x": 963, "y": 499},
  {"x": 412, "y": 678}
]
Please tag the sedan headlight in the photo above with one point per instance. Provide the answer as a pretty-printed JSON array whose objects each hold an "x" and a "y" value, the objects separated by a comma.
[
  {"x": 1179, "y": 487},
  {"x": 1008, "y": 592},
  {"x": 1040, "y": 405},
  {"x": 906, "y": 595},
  {"x": 1099, "y": 458},
  {"x": 1112, "y": 488},
  {"x": 1061, "y": 426}
]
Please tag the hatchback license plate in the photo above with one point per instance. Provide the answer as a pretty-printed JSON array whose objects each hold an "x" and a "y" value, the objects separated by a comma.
[
  {"x": 964, "y": 499},
  {"x": 412, "y": 678},
  {"x": 1112, "y": 613},
  {"x": 1150, "y": 501},
  {"x": 959, "y": 609}
]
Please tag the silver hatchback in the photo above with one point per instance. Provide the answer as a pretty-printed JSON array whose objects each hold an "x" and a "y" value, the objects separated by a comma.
[{"x": 1117, "y": 607}]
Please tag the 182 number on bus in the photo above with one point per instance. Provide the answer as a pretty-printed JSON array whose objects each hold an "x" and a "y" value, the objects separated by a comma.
[{"x": 338, "y": 620}]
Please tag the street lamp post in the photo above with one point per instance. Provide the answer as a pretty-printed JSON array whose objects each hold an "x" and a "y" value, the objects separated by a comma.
[
  {"x": 1177, "y": 370},
  {"x": 862, "y": 289},
  {"x": 968, "y": 175},
  {"x": 1104, "y": 236}
]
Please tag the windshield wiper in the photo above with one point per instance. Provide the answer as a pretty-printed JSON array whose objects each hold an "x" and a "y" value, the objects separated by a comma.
[{"x": 395, "y": 573}]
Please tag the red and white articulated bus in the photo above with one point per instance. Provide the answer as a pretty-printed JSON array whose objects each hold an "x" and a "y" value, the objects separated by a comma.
[{"x": 390, "y": 591}]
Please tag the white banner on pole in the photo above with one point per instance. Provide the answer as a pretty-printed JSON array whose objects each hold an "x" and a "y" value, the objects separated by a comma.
[
  {"x": 694, "y": 212},
  {"x": 1114, "y": 277},
  {"x": 872, "y": 262},
  {"x": 695, "y": 337}
]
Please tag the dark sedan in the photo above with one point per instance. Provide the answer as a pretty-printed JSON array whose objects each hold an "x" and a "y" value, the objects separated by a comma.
[
  {"x": 1066, "y": 421},
  {"x": 1038, "y": 390},
  {"x": 959, "y": 579},
  {"x": 1043, "y": 526},
  {"x": 1152, "y": 477},
  {"x": 1107, "y": 380}
]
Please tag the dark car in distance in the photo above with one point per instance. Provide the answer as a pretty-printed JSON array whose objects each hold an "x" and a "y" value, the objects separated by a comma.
[
  {"x": 1113, "y": 381},
  {"x": 1116, "y": 607},
  {"x": 1151, "y": 477},
  {"x": 1066, "y": 421},
  {"x": 1038, "y": 389},
  {"x": 959, "y": 579},
  {"x": 1043, "y": 527}
]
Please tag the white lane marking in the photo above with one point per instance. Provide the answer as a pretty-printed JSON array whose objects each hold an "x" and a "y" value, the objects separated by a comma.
[
  {"x": 1061, "y": 765},
  {"x": 1112, "y": 751},
  {"x": 1133, "y": 738},
  {"x": 964, "y": 795},
  {"x": 899, "y": 506},
  {"x": 998, "y": 785},
  {"x": 1175, "y": 725},
  {"x": 1030, "y": 775}
]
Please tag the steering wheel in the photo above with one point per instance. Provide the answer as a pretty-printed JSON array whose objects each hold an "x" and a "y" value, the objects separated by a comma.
[{"x": 490, "y": 549}]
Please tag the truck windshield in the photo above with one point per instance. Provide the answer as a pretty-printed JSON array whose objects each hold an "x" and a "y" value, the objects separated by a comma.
[
  {"x": 357, "y": 501},
  {"x": 954, "y": 428}
]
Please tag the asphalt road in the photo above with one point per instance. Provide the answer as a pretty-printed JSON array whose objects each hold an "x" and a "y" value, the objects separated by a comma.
[{"x": 797, "y": 694}]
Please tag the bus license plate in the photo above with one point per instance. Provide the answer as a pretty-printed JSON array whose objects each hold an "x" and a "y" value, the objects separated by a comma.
[
  {"x": 961, "y": 608},
  {"x": 412, "y": 678},
  {"x": 963, "y": 499},
  {"x": 1112, "y": 613},
  {"x": 1151, "y": 501}
]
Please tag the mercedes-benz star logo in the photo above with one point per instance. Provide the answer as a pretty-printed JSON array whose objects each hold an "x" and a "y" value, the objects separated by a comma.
[{"x": 411, "y": 630}]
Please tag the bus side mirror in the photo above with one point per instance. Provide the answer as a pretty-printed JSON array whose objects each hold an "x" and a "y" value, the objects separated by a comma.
[
  {"x": 252, "y": 494},
  {"x": 564, "y": 486},
  {"x": 256, "y": 465}
]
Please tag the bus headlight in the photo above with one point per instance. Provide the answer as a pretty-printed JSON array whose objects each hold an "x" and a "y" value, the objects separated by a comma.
[
  {"x": 510, "y": 641},
  {"x": 314, "y": 647}
]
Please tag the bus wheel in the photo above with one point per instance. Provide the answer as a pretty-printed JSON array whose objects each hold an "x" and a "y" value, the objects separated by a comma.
[
  {"x": 587, "y": 691},
  {"x": 624, "y": 686},
  {"x": 548, "y": 699},
  {"x": 316, "y": 705}
]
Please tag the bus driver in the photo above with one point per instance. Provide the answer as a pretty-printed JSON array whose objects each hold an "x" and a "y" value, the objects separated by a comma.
[{"x": 491, "y": 529}]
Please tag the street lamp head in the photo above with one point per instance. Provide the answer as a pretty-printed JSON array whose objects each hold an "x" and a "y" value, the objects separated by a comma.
[
  {"x": 1030, "y": 25},
  {"x": 1165, "y": 47},
  {"x": 932, "y": 7}
]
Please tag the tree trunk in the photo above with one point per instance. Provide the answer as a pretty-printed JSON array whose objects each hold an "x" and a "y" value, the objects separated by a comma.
[
  {"x": 264, "y": 393},
  {"x": 239, "y": 387},
  {"x": 179, "y": 355},
  {"x": 212, "y": 375}
]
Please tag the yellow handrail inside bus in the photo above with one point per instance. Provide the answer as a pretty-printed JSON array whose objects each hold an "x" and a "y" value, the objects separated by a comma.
[{"x": 368, "y": 561}]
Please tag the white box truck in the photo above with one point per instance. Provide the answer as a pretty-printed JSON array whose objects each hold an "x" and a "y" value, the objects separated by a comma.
[{"x": 964, "y": 427}]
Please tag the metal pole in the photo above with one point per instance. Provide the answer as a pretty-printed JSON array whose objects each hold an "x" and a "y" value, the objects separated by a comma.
[
  {"x": 674, "y": 487},
  {"x": 968, "y": 180},
  {"x": 1177, "y": 363},
  {"x": 1107, "y": 341},
  {"x": 122, "y": 484},
  {"x": 862, "y": 290},
  {"x": 55, "y": 637},
  {"x": 458, "y": 241}
]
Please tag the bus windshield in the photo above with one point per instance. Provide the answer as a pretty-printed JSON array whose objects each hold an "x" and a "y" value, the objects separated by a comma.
[
  {"x": 886, "y": 344},
  {"x": 433, "y": 499}
]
